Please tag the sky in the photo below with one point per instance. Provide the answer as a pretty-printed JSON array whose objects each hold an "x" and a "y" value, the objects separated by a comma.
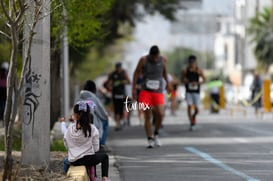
[
  {"x": 218, "y": 6},
  {"x": 157, "y": 30}
]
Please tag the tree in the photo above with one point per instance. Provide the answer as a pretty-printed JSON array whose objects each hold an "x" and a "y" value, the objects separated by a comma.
[
  {"x": 178, "y": 59},
  {"x": 13, "y": 16},
  {"x": 85, "y": 21},
  {"x": 124, "y": 11},
  {"x": 261, "y": 30}
]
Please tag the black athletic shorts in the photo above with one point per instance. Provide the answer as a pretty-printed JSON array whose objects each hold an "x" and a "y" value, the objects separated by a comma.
[{"x": 118, "y": 106}]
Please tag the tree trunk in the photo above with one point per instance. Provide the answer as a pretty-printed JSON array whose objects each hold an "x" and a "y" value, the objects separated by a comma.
[{"x": 9, "y": 117}]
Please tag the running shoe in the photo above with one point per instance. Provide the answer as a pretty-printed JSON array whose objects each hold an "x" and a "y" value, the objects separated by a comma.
[
  {"x": 157, "y": 141},
  {"x": 118, "y": 128},
  {"x": 192, "y": 128},
  {"x": 150, "y": 143}
]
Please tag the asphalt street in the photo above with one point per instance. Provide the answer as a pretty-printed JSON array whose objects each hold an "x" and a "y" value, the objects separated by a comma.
[{"x": 224, "y": 147}]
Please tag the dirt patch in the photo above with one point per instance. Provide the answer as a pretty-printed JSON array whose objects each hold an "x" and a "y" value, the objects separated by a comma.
[{"x": 27, "y": 173}]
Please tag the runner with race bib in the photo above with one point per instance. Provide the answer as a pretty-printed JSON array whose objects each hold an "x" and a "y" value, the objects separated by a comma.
[
  {"x": 191, "y": 78},
  {"x": 153, "y": 68}
]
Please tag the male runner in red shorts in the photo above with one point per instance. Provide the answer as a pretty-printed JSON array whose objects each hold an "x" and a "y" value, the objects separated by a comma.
[{"x": 154, "y": 70}]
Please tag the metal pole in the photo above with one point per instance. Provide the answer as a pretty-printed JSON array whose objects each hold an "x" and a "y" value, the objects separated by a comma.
[
  {"x": 66, "y": 101},
  {"x": 257, "y": 7}
]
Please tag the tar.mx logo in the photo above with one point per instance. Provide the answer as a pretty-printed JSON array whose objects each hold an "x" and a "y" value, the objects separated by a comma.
[{"x": 134, "y": 105}]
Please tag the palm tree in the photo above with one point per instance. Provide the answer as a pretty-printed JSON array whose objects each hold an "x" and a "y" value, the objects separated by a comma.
[{"x": 261, "y": 30}]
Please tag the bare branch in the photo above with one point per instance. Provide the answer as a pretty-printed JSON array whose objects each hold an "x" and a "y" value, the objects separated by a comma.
[
  {"x": 8, "y": 25},
  {"x": 28, "y": 48},
  {"x": 5, "y": 11},
  {"x": 22, "y": 40},
  {"x": 60, "y": 5},
  {"x": 36, "y": 18},
  {"x": 23, "y": 8},
  {"x": 5, "y": 34},
  {"x": 38, "y": 13},
  {"x": 21, "y": 4},
  {"x": 14, "y": 7}
]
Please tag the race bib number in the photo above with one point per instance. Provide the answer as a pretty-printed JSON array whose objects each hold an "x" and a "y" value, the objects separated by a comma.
[
  {"x": 153, "y": 84},
  {"x": 193, "y": 86}
]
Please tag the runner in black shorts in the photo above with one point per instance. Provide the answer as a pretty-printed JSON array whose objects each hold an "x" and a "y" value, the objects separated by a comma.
[
  {"x": 193, "y": 77},
  {"x": 118, "y": 79}
]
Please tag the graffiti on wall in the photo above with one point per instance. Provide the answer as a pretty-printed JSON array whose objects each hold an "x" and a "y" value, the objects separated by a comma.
[{"x": 31, "y": 97}]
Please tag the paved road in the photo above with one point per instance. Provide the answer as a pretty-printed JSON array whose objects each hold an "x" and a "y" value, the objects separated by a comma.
[{"x": 223, "y": 148}]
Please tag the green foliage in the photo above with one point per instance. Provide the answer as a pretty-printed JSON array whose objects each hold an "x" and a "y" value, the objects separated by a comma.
[
  {"x": 262, "y": 32},
  {"x": 85, "y": 20},
  {"x": 178, "y": 59},
  {"x": 16, "y": 141},
  {"x": 57, "y": 145},
  {"x": 124, "y": 11},
  {"x": 97, "y": 63},
  {"x": 97, "y": 24},
  {"x": 4, "y": 51}
]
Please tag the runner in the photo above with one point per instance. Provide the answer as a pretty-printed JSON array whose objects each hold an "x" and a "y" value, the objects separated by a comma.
[
  {"x": 191, "y": 79},
  {"x": 153, "y": 68},
  {"x": 256, "y": 88},
  {"x": 118, "y": 79}
]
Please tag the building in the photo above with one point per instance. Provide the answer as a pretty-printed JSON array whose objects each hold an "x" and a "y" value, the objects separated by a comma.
[
  {"x": 243, "y": 11},
  {"x": 197, "y": 28},
  {"x": 224, "y": 49},
  {"x": 233, "y": 49}
]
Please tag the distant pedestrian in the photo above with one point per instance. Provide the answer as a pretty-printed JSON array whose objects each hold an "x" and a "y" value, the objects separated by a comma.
[
  {"x": 256, "y": 89},
  {"x": 214, "y": 87},
  {"x": 154, "y": 70},
  {"x": 191, "y": 78},
  {"x": 118, "y": 79},
  {"x": 82, "y": 141},
  {"x": 3, "y": 91}
]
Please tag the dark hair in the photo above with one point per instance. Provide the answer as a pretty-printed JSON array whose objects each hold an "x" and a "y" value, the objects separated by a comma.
[
  {"x": 90, "y": 86},
  {"x": 85, "y": 119},
  {"x": 118, "y": 65},
  {"x": 192, "y": 58},
  {"x": 154, "y": 50}
]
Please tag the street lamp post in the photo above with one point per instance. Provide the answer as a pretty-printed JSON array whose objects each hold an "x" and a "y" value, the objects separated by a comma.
[{"x": 65, "y": 57}]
